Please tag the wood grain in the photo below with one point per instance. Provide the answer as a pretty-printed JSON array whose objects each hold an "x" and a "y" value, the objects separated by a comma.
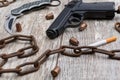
[{"x": 86, "y": 67}]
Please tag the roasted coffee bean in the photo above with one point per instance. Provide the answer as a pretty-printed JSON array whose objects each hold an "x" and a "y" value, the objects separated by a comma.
[
  {"x": 74, "y": 41},
  {"x": 18, "y": 27},
  {"x": 49, "y": 16},
  {"x": 83, "y": 26},
  {"x": 55, "y": 71}
]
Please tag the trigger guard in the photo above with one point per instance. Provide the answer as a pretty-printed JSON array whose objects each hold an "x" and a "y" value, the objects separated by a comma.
[{"x": 74, "y": 22}]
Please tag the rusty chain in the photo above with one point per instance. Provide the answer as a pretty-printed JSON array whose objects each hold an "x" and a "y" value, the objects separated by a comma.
[
  {"x": 77, "y": 51},
  {"x": 4, "y": 3},
  {"x": 21, "y": 53}
]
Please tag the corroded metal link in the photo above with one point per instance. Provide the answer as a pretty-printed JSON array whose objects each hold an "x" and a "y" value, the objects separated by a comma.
[
  {"x": 33, "y": 42},
  {"x": 88, "y": 47},
  {"x": 56, "y": 51},
  {"x": 34, "y": 69},
  {"x": 85, "y": 49},
  {"x": 22, "y": 65},
  {"x": 2, "y": 44},
  {"x": 109, "y": 53},
  {"x": 27, "y": 71},
  {"x": 69, "y": 47},
  {"x": 3, "y": 62},
  {"x": 5, "y": 41},
  {"x": 9, "y": 71},
  {"x": 35, "y": 65},
  {"x": 6, "y": 56},
  {"x": 114, "y": 56},
  {"x": 46, "y": 53},
  {"x": 24, "y": 38},
  {"x": 38, "y": 63},
  {"x": 40, "y": 60},
  {"x": 34, "y": 50},
  {"x": 20, "y": 53},
  {"x": 71, "y": 55},
  {"x": 7, "y": 38},
  {"x": 78, "y": 51},
  {"x": 68, "y": 54},
  {"x": 6, "y": 2}
]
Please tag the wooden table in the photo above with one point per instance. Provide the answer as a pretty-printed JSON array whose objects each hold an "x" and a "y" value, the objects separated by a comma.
[{"x": 86, "y": 67}]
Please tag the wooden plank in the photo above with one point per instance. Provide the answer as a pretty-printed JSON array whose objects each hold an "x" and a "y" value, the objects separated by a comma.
[
  {"x": 91, "y": 67},
  {"x": 46, "y": 68},
  {"x": 36, "y": 24},
  {"x": 86, "y": 67},
  {"x": 24, "y": 20}
]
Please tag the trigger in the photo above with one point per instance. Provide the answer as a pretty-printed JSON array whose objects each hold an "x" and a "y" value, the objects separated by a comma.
[{"x": 74, "y": 21}]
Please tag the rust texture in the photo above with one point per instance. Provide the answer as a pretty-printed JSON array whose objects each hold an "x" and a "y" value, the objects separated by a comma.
[
  {"x": 77, "y": 51},
  {"x": 4, "y": 3}
]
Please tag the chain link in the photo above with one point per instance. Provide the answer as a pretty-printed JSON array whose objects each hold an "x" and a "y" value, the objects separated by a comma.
[
  {"x": 35, "y": 65},
  {"x": 21, "y": 53},
  {"x": 4, "y": 3},
  {"x": 115, "y": 55}
]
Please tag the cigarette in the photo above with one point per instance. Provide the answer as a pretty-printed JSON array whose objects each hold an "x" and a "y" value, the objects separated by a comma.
[{"x": 102, "y": 42}]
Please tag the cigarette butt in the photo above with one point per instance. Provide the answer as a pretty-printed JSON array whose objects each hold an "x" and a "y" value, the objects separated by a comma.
[
  {"x": 102, "y": 42},
  {"x": 111, "y": 39}
]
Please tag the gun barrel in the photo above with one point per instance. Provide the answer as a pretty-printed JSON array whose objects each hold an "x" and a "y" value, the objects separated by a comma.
[
  {"x": 76, "y": 11},
  {"x": 97, "y": 10}
]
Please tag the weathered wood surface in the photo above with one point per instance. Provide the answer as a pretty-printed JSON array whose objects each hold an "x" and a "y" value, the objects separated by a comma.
[{"x": 86, "y": 67}]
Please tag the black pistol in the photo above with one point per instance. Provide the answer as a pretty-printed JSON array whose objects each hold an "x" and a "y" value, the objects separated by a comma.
[{"x": 77, "y": 11}]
